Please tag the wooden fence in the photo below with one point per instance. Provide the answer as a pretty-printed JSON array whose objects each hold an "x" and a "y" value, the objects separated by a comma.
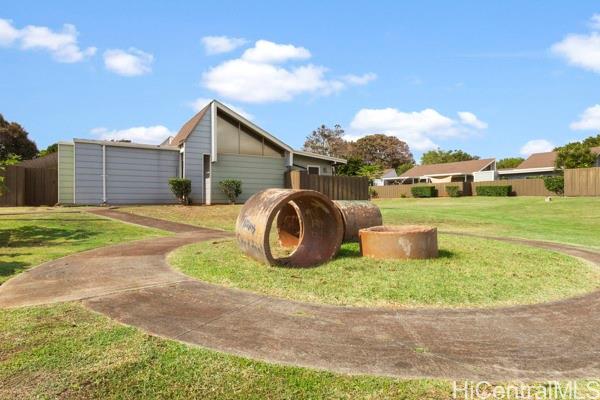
[
  {"x": 520, "y": 187},
  {"x": 335, "y": 187},
  {"x": 582, "y": 182},
  {"x": 29, "y": 186},
  {"x": 395, "y": 191}
]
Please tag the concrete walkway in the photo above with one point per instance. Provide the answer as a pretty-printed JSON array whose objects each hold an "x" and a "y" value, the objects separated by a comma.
[{"x": 133, "y": 284}]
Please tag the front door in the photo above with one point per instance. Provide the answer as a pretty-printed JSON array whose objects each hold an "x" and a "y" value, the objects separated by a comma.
[{"x": 206, "y": 187}]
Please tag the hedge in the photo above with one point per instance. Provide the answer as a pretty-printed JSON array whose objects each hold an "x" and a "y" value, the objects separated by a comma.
[
  {"x": 453, "y": 191},
  {"x": 423, "y": 191},
  {"x": 500, "y": 190}
]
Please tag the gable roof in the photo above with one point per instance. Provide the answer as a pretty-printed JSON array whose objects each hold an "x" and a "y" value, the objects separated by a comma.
[
  {"x": 189, "y": 126},
  {"x": 453, "y": 168},
  {"x": 539, "y": 160},
  {"x": 389, "y": 173}
]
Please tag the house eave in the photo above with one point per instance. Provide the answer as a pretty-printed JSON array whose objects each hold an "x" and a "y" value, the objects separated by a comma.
[{"x": 126, "y": 144}]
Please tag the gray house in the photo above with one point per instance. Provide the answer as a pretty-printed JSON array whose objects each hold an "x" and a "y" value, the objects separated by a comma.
[{"x": 215, "y": 144}]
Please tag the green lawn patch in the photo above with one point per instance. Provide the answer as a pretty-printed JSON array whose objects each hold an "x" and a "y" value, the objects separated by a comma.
[
  {"x": 470, "y": 272},
  {"x": 27, "y": 240}
]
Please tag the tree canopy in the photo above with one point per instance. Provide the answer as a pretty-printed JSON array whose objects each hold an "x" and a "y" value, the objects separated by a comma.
[
  {"x": 53, "y": 148},
  {"x": 578, "y": 154},
  {"x": 327, "y": 141},
  {"x": 14, "y": 140},
  {"x": 509, "y": 162},
  {"x": 440, "y": 156},
  {"x": 386, "y": 151}
]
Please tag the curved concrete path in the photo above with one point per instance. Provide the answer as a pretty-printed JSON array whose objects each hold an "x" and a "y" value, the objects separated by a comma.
[{"x": 133, "y": 284}]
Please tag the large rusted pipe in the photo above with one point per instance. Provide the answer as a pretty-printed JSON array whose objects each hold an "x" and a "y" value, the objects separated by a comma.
[
  {"x": 405, "y": 241},
  {"x": 357, "y": 215},
  {"x": 320, "y": 226}
]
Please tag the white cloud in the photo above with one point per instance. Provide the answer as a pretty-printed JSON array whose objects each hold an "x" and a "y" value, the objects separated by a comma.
[
  {"x": 536, "y": 146},
  {"x": 274, "y": 53},
  {"x": 62, "y": 45},
  {"x": 201, "y": 102},
  {"x": 360, "y": 79},
  {"x": 221, "y": 44},
  {"x": 417, "y": 128},
  {"x": 595, "y": 21},
  {"x": 139, "y": 134},
  {"x": 468, "y": 118},
  {"x": 258, "y": 76},
  {"x": 588, "y": 120},
  {"x": 132, "y": 62},
  {"x": 580, "y": 50}
]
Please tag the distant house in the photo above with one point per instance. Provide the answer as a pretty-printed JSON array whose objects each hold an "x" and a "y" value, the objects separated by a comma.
[
  {"x": 387, "y": 174},
  {"x": 462, "y": 171},
  {"x": 215, "y": 144},
  {"x": 538, "y": 164}
]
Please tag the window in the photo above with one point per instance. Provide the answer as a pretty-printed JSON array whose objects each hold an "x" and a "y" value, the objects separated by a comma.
[{"x": 314, "y": 170}]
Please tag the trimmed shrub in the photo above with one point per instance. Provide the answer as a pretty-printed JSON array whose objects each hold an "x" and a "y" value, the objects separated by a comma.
[
  {"x": 423, "y": 191},
  {"x": 181, "y": 188},
  {"x": 232, "y": 188},
  {"x": 453, "y": 191},
  {"x": 555, "y": 184},
  {"x": 500, "y": 190},
  {"x": 373, "y": 193}
]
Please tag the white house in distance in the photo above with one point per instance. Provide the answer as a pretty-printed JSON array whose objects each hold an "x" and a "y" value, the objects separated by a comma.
[
  {"x": 461, "y": 171},
  {"x": 215, "y": 144}
]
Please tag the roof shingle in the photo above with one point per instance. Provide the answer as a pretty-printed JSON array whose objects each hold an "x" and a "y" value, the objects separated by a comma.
[{"x": 453, "y": 168}]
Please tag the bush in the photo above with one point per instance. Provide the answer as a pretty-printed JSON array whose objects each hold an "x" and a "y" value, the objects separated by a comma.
[
  {"x": 181, "y": 188},
  {"x": 500, "y": 190},
  {"x": 232, "y": 188},
  {"x": 453, "y": 191},
  {"x": 555, "y": 184},
  {"x": 373, "y": 193},
  {"x": 423, "y": 191}
]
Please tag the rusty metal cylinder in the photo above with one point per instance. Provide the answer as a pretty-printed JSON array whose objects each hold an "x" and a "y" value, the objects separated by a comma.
[
  {"x": 319, "y": 227},
  {"x": 403, "y": 242},
  {"x": 356, "y": 215}
]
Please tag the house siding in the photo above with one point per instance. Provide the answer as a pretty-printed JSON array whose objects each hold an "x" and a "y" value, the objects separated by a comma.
[
  {"x": 88, "y": 173},
  {"x": 65, "y": 173},
  {"x": 255, "y": 172},
  {"x": 197, "y": 144},
  {"x": 301, "y": 162},
  {"x": 138, "y": 176}
]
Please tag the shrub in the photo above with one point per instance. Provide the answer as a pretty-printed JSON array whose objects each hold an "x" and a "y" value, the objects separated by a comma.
[
  {"x": 373, "y": 193},
  {"x": 500, "y": 190},
  {"x": 232, "y": 188},
  {"x": 453, "y": 191},
  {"x": 181, "y": 188},
  {"x": 423, "y": 191},
  {"x": 555, "y": 184}
]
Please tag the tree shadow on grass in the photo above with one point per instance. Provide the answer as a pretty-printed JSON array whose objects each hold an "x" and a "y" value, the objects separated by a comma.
[
  {"x": 11, "y": 268},
  {"x": 25, "y": 236}
]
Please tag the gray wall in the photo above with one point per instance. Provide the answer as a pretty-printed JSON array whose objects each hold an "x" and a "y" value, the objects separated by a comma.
[
  {"x": 88, "y": 173},
  {"x": 140, "y": 176},
  {"x": 303, "y": 161},
  {"x": 255, "y": 172},
  {"x": 65, "y": 173},
  {"x": 196, "y": 145}
]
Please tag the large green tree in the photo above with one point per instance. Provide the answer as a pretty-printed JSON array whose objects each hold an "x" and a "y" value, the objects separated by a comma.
[
  {"x": 14, "y": 140},
  {"x": 578, "y": 154},
  {"x": 327, "y": 141},
  {"x": 386, "y": 151},
  {"x": 509, "y": 162},
  {"x": 53, "y": 148},
  {"x": 440, "y": 156},
  {"x": 351, "y": 168}
]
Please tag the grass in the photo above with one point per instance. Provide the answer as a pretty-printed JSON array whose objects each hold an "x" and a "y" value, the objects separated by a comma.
[
  {"x": 31, "y": 239},
  {"x": 216, "y": 217},
  {"x": 470, "y": 272},
  {"x": 564, "y": 220},
  {"x": 66, "y": 351}
]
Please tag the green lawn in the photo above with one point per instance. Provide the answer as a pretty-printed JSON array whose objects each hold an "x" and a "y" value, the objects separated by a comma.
[
  {"x": 30, "y": 239},
  {"x": 566, "y": 220},
  {"x": 469, "y": 272}
]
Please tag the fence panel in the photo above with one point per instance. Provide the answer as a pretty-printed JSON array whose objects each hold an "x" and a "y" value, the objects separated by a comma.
[
  {"x": 396, "y": 191},
  {"x": 520, "y": 187},
  {"x": 14, "y": 186},
  {"x": 582, "y": 182},
  {"x": 335, "y": 187},
  {"x": 41, "y": 187}
]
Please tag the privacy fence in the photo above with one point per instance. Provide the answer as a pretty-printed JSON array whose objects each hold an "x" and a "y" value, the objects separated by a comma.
[
  {"x": 335, "y": 187},
  {"x": 578, "y": 182},
  {"x": 29, "y": 186}
]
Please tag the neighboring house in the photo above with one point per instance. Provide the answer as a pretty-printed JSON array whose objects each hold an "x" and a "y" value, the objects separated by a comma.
[
  {"x": 539, "y": 164},
  {"x": 462, "y": 171},
  {"x": 215, "y": 144},
  {"x": 387, "y": 174}
]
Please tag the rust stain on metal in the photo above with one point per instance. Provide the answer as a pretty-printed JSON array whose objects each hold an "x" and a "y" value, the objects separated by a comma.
[
  {"x": 357, "y": 215},
  {"x": 404, "y": 242},
  {"x": 319, "y": 228}
]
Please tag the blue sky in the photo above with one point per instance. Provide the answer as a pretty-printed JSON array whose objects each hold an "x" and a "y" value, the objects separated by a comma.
[{"x": 485, "y": 77}]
